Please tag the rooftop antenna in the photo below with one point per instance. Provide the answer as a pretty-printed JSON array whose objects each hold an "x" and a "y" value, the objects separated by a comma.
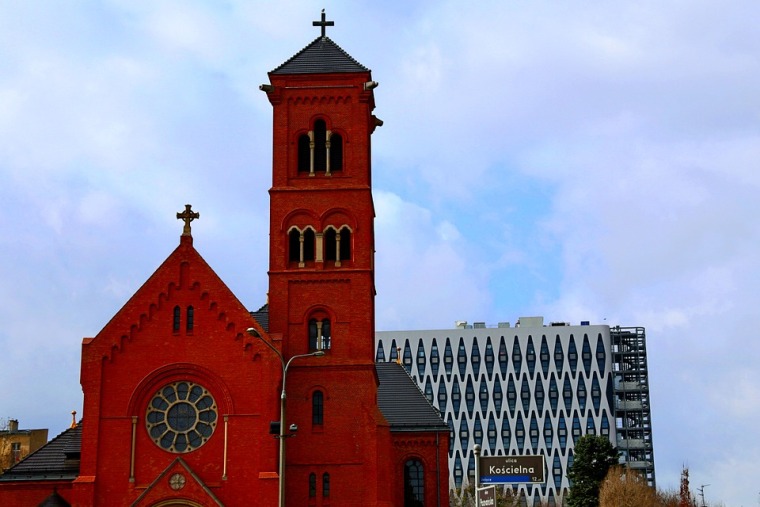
[{"x": 702, "y": 494}]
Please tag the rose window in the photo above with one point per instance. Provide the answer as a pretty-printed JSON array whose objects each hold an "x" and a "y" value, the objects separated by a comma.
[{"x": 181, "y": 417}]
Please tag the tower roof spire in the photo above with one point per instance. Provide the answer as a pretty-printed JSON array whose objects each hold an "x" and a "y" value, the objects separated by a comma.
[{"x": 322, "y": 56}]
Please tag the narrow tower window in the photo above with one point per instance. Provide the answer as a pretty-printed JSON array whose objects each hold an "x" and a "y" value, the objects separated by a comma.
[
  {"x": 190, "y": 319},
  {"x": 309, "y": 241},
  {"x": 331, "y": 243},
  {"x": 344, "y": 244},
  {"x": 337, "y": 245},
  {"x": 325, "y": 485},
  {"x": 326, "y": 332},
  {"x": 336, "y": 152},
  {"x": 319, "y": 334},
  {"x": 294, "y": 245},
  {"x": 317, "y": 408},
  {"x": 301, "y": 246},
  {"x": 320, "y": 146},
  {"x": 320, "y": 150},
  {"x": 304, "y": 154},
  {"x": 177, "y": 318},
  {"x": 312, "y": 485}
]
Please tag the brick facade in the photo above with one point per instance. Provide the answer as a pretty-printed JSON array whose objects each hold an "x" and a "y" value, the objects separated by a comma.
[{"x": 140, "y": 372}]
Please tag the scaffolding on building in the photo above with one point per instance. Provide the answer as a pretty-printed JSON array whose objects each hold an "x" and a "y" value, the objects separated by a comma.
[{"x": 631, "y": 393}]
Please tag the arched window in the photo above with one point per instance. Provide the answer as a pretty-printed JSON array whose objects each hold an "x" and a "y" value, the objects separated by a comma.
[
  {"x": 312, "y": 485},
  {"x": 320, "y": 150},
  {"x": 190, "y": 319},
  {"x": 294, "y": 245},
  {"x": 331, "y": 244},
  {"x": 345, "y": 244},
  {"x": 301, "y": 246},
  {"x": 309, "y": 240},
  {"x": 325, "y": 485},
  {"x": 336, "y": 153},
  {"x": 320, "y": 146},
  {"x": 337, "y": 245},
  {"x": 326, "y": 334},
  {"x": 304, "y": 154},
  {"x": 317, "y": 408},
  {"x": 319, "y": 334},
  {"x": 414, "y": 484},
  {"x": 177, "y": 318}
]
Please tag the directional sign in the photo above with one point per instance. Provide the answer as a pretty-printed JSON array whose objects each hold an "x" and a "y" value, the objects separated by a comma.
[
  {"x": 512, "y": 469},
  {"x": 487, "y": 496}
]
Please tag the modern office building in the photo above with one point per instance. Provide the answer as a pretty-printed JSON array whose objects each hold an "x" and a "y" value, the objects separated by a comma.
[{"x": 532, "y": 389}]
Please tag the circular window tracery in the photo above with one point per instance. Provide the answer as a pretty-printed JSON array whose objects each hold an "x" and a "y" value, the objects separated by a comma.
[{"x": 181, "y": 417}]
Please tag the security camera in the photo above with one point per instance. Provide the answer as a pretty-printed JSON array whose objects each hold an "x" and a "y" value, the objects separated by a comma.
[{"x": 293, "y": 428}]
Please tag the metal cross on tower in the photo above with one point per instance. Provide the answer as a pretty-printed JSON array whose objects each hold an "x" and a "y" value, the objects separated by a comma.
[
  {"x": 187, "y": 216},
  {"x": 323, "y": 23}
]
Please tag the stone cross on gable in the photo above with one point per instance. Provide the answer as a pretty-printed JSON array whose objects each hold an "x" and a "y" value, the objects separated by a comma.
[
  {"x": 323, "y": 23},
  {"x": 187, "y": 216}
]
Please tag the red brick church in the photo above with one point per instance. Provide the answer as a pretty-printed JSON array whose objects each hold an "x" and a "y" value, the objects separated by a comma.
[{"x": 184, "y": 386}]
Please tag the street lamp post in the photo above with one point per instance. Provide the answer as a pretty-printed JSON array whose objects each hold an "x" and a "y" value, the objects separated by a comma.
[{"x": 282, "y": 436}]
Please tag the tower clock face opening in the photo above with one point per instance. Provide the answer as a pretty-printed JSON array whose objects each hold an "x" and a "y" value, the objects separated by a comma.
[{"x": 181, "y": 417}]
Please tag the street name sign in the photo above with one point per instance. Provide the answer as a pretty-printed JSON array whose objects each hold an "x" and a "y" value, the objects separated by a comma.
[{"x": 512, "y": 469}]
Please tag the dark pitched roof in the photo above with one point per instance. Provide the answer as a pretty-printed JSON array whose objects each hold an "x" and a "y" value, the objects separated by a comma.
[
  {"x": 402, "y": 402},
  {"x": 322, "y": 56},
  {"x": 54, "y": 500},
  {"x": 58, "y": 459},
  {"x": 262, "y": 316}
]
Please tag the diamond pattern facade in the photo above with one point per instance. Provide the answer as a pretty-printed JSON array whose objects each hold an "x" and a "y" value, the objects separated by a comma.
[{"x": 529, "y": 390}]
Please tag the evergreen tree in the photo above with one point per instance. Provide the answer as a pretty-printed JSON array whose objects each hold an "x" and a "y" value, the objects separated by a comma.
[{"x": 593, "y": 457}]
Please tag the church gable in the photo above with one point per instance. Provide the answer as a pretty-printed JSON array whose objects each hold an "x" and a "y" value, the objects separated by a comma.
[
  {"x": 176, "y": 485},
  {"x": 174, "y": 375},
  {"x": 185, "y": 296},
  {"x": 182, "y": 315}
]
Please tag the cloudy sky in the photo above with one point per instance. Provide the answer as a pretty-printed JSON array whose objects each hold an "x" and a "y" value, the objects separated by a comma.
[{"x": 577, "y": 160}]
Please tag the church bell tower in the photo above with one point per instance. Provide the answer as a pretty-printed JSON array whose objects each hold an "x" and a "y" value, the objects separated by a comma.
[
  {"x": 321, "y": 277},
  {"x": 321, "y": 268}
]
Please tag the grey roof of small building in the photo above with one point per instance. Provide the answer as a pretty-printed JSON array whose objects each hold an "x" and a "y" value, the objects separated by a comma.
[
  {"x": 56, "y": 460},
  {"x": 322, "y": 56},
  {"x": 54, "y": 500},
  {"x": 262, "y": 316},
  {"x": 402, "y": 402}
]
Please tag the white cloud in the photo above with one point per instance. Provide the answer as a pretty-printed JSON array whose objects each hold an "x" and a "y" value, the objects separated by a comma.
[
  {"x": 587, "y": 161},
  {"x": 415, "y": 251}
]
